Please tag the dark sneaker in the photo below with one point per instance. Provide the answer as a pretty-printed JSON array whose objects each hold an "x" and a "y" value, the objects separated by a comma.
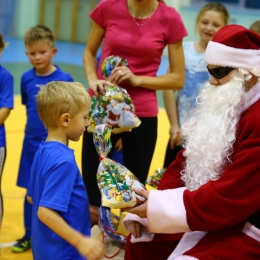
[{"x": 22, "y": 245}]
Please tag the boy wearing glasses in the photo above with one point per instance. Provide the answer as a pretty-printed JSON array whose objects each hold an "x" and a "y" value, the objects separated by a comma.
[{"x": 209, "y": 196}]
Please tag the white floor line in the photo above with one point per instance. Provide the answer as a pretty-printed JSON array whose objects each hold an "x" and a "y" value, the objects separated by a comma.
[{"x": 7, "y": 244}]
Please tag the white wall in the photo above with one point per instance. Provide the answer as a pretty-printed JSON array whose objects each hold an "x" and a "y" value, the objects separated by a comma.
[
  {"x": 26, "y": 16},
  {"x": 177, "y": 3}
]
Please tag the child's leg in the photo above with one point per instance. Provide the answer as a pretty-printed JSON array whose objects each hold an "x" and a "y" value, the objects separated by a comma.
[
  {"x": 26, "y": 160},
  {"x": 2, "y": 161},
  {"x": 27, "y": 218},
  {"x": 24, "y": 243}
]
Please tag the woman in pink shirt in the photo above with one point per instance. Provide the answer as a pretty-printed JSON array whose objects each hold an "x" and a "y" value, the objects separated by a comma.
[{"x": 136, "y": 30}]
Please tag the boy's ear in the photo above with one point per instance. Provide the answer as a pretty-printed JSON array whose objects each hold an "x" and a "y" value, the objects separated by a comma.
[
  {"x": 54, "y": 51},
  {"x": 65, "y": 119}
]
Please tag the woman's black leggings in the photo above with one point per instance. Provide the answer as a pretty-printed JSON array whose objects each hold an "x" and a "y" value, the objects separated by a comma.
[{"x": 170, "y": 154}]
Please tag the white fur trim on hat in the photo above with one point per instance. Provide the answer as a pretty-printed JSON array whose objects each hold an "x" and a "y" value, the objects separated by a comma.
[{"x": 225, "y": 56}]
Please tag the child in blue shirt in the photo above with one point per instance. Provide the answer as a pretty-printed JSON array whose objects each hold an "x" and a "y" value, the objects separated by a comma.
[
  {"x": 6, "y": 104},
  {"x": 40, "y": 49},
  {"x": 60, "y": 207}
]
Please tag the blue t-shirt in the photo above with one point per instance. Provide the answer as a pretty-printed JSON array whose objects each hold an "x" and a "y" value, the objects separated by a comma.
[
  {"x": 196, "y": 75},
  {"x": 56, "y": 183},
  {"x": 6, "y": 97},
  {"x": 30, "y": 83}
]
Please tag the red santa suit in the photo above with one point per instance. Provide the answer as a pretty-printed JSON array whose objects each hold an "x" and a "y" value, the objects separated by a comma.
[
  {"x": 219, "y": 220},
  {"x": 219, "y": 209}
]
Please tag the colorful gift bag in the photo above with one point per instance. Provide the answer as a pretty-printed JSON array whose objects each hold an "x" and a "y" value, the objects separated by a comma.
[
  {"x": 155, "y": 178},
  {"x": 115, "y": 108},
  {"x": 116, "y": 183}
]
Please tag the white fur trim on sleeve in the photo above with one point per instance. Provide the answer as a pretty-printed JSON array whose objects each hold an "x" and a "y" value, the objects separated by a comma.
[
  {"x": 188, "y": 241},
  {"x": 166, "y": 212},
  {"x": 145, "y": 236},
  {"x": 129, "y": 218},
  {"x": 222, "y": 55},
  {"x": 183, "y": 257}
]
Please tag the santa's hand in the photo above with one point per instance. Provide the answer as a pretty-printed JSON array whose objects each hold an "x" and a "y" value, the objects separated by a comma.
[
  {"x": 97, "y": 85},
  {"x": 142, "y": 192},
  {"x": 135, "y": 228},
  {"x": 141, "y": 210}
]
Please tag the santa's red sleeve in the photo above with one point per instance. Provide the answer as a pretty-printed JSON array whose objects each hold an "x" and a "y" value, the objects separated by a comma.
[{"x": 217, "y": 204}]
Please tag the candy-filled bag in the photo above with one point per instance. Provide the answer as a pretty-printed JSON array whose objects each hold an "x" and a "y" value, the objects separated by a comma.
[
  {"x": 111, "y": 62},
  {"x": 116, "y": 183},
  {"x": 113, "y": 107}
]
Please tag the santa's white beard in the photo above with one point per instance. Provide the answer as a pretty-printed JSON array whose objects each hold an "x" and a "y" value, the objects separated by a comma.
[{"x": 210, "y": 131}]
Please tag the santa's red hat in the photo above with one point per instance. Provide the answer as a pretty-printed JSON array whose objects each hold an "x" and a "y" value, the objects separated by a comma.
[{"x": 234, "y": 46}]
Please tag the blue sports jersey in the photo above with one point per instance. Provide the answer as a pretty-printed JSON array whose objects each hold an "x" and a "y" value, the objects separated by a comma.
[
  {"x": 35, "y": 131},
  {"x": 30, "y": 86},
  {"x": 6, "y": 97},
  {"x": 56, "y": 183}
]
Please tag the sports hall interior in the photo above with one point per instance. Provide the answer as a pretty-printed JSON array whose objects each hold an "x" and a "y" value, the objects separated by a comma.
[{"x": 69, "y": 21}]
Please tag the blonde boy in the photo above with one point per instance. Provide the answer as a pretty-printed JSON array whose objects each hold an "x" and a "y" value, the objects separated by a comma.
[
  {"x": 40, "y": 49},
  {"x": 60, "y": 208}
]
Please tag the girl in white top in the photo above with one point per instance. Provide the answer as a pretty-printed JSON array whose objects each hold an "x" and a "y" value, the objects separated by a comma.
[{"x": 210, "y": 19}]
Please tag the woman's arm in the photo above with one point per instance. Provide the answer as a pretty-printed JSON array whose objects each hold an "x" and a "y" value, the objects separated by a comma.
[
  {"x": 88, "y": 247},
  {"x": 94, "y": 41},
  {"x": 172, "y": 80},
  {"x": 171, "y": 110}
]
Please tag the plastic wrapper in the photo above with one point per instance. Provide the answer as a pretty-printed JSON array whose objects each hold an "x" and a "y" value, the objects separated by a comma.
[
  {"x": 111, "y": 62},
  {"x": 116, "y": 183},
  {"x": 155, "y": 178},
  {"x": 101, "y": 139},
  {"x": 114, "y": 106}
]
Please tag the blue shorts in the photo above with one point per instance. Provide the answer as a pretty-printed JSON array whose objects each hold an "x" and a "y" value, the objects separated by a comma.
[{"x": 29, "y": 149}]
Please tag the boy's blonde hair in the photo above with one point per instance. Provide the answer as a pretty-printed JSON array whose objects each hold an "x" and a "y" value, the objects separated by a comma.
[
  {"x": 39, "y": 33},
  {"x": 2, "y": 43},
  {"x": 59, "y": 97},
  {"x": 255, "y": 27}
]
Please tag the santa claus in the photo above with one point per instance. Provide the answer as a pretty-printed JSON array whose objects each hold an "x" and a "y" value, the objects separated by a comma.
[{"x": 207, "y": 204}]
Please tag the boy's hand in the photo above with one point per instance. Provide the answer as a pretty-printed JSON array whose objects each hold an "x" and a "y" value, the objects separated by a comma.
[{"x": 91, "y": 248}]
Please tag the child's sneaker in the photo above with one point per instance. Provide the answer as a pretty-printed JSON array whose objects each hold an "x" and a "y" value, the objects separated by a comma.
[{"x": 22, "y": 245}]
